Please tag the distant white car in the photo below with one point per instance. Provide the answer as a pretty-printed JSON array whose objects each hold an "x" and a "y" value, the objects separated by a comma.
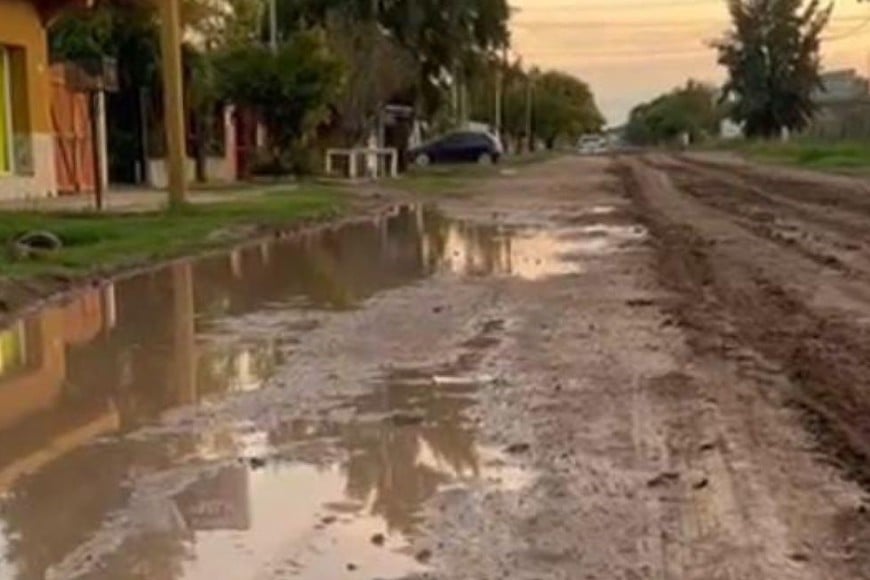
[{"x": 593, "y": 145}]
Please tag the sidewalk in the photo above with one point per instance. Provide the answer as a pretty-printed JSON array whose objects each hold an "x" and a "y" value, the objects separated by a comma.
[{"x": 125, "y": 199}]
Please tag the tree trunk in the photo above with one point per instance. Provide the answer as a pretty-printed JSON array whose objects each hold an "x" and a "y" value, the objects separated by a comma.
[{"x": 201, "y": 146}]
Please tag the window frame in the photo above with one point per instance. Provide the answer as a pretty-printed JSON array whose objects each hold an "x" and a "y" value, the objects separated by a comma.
[{"x": 7, "y": 161}]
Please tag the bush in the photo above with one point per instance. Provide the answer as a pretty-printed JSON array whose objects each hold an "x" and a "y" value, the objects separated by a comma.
[
  {"x": 266, "y": 163},
  {"x": 288, "y": 89},
  {"x": 298, "y": 160}
]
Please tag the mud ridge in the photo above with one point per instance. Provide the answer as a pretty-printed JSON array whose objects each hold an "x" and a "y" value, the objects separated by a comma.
[
  {"x": 824, "y": 190},
  {"x": 826, "y": 361},
  {"x": 765, "y": 215}
]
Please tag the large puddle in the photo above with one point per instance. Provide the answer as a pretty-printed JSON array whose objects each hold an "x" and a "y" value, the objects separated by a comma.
[{"x": 86, "y": 493}]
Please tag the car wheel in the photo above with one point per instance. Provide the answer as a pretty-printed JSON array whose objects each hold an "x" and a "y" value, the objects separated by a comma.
[
  {"x": 485, "y": 159},
  {"x": 423, "y": 160}
]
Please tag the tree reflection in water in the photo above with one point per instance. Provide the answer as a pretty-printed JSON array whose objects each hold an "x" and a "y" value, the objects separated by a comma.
[{"x": 409, "y": 438}]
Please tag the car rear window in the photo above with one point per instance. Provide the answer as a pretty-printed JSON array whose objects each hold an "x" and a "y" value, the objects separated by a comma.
[
  {"x": 478, "y": 140},
  {"x": 454, "y": 139},
  {"x": 467, "y": 140}
]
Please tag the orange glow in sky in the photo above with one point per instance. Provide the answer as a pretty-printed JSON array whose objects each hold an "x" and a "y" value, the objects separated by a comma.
[{"x": 633, "y": 50}]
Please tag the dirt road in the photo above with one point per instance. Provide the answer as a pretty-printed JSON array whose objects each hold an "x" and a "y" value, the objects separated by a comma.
[{"x": 651, "y": 367}]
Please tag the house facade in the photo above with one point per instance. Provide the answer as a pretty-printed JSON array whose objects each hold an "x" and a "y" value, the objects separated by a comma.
[
  {"x": 26, "y": 143},
  {"x": 842, "y": 107},
  {"x": 840, "y": 86}
]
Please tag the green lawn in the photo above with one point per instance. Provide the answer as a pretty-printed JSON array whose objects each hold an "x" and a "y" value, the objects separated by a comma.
[
  {"x": 812, "y": 154},
  {"x": 95, "y": 242}
]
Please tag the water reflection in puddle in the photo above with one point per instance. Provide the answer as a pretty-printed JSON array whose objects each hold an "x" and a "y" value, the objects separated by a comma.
[
  {"x": 80, "y": 499},
  {"x": 530, "y": 254},
  {"x": 600, "y": 210},
  {"x": 305, "y": 499}
]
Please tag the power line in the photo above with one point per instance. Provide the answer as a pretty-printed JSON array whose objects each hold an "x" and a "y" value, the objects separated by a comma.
[
  {"x": 654, "y": 52},
  {"x": 639, "y": 52},
  {"x": 862, "y": 22},
  {"x": 646, "y": 23},
  {"x": 663, "y": 25},
  {"x": 853, "y": 32},
  {"x": 642, "y": 6},
  {"x": 614, "y": 6},
  {"x": 590, "y": 24}
]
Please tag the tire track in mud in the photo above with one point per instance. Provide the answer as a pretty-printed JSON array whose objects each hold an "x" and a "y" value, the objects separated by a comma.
[
  {"x": 651, "y": 460},
  {"x": 826, "y": 360},
  {"x": 826, "y": 235},
  {"x": 818, "y": 189},
  {"x": 733, "y": 309}
]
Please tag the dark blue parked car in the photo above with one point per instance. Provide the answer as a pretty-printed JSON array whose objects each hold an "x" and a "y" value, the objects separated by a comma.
[{"x": 458, "y": 147}]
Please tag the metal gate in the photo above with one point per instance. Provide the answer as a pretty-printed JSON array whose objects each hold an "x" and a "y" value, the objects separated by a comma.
[{"x": 74, "y": 151}]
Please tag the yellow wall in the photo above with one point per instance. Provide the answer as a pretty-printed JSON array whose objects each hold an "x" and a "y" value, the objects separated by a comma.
[{"x": 21, "y": 27}]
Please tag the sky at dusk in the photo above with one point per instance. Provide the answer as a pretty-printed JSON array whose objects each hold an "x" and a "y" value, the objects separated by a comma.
[{"x": 632, "y": 50}]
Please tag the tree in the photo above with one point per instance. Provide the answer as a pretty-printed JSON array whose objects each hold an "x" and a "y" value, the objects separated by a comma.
[
  {"x": 446, "y": 36},
  {"x": 214, "y": 25},
  {"x": 564, "y": 108},
  {"x": 128, "y": 31},
  {"x": 378, "y": 71},
  {"x": 517, "y": 92},
  {"x": 772, "y": 57},
  {"x": 223, "y": 23},
  {"x": 289, "y": 89},
  {"x": 442, "y": 37},
  {"x": 691, "y": 110}
]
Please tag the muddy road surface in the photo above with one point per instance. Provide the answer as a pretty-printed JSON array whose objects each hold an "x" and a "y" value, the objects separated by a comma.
[{"x": 652, "y": 367}]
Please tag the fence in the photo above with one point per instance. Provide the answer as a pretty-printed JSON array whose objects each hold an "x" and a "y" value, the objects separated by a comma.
[{"x": 845, "y": 120}]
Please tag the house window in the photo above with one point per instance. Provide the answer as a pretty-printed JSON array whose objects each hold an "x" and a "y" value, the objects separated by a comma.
[
  {"x": 5, "y": 117},
  {"x": 13, "y": 350}
]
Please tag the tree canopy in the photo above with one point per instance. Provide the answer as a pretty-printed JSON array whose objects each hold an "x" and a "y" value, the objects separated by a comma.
[
  {"x": 377, "y": 71},
  {"x": 564, "y": 108},
  {"x": 691, "y": 110},
  {"x": 339, "y": 61},
  {"x": 126, "y": 31},
  {"x": 772, "y": 57},
  {"x": 442, "y": 37},
  {"x": 289, "y": 89}
]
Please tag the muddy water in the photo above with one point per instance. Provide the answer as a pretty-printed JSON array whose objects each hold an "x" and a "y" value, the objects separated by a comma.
[{"x": 90, "y": 488}]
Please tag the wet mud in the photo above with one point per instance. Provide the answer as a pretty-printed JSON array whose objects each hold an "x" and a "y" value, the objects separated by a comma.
[
  {"x": 140, "y": 437},
  {"x": 764, "y": 277},
  {"x": 590, "y": 369}
]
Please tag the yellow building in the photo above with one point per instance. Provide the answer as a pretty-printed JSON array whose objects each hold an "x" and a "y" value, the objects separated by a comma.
[{"x": 27, "y": 162}]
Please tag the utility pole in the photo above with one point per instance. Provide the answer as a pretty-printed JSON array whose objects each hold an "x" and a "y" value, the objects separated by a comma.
[
  {"x": 501, "y": 72},
  {"x": 466, "y": 105},
  {"x": 173, "y": 100},
  {"x": 455, "y": 97},
  {"x": 499, "y": 87},
  {"x": 530, "y": 107},
  {"x": 96, "y": 150},
  {"x": 273, "y": 25}
]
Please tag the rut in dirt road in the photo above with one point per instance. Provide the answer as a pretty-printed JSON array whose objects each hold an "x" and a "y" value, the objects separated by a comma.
[
  {"x": 665, "y": 442},
  {"x": 829, "y": 229},
  {"x": 797, "y": 295},
  {"x": 774, "y": 299}
]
